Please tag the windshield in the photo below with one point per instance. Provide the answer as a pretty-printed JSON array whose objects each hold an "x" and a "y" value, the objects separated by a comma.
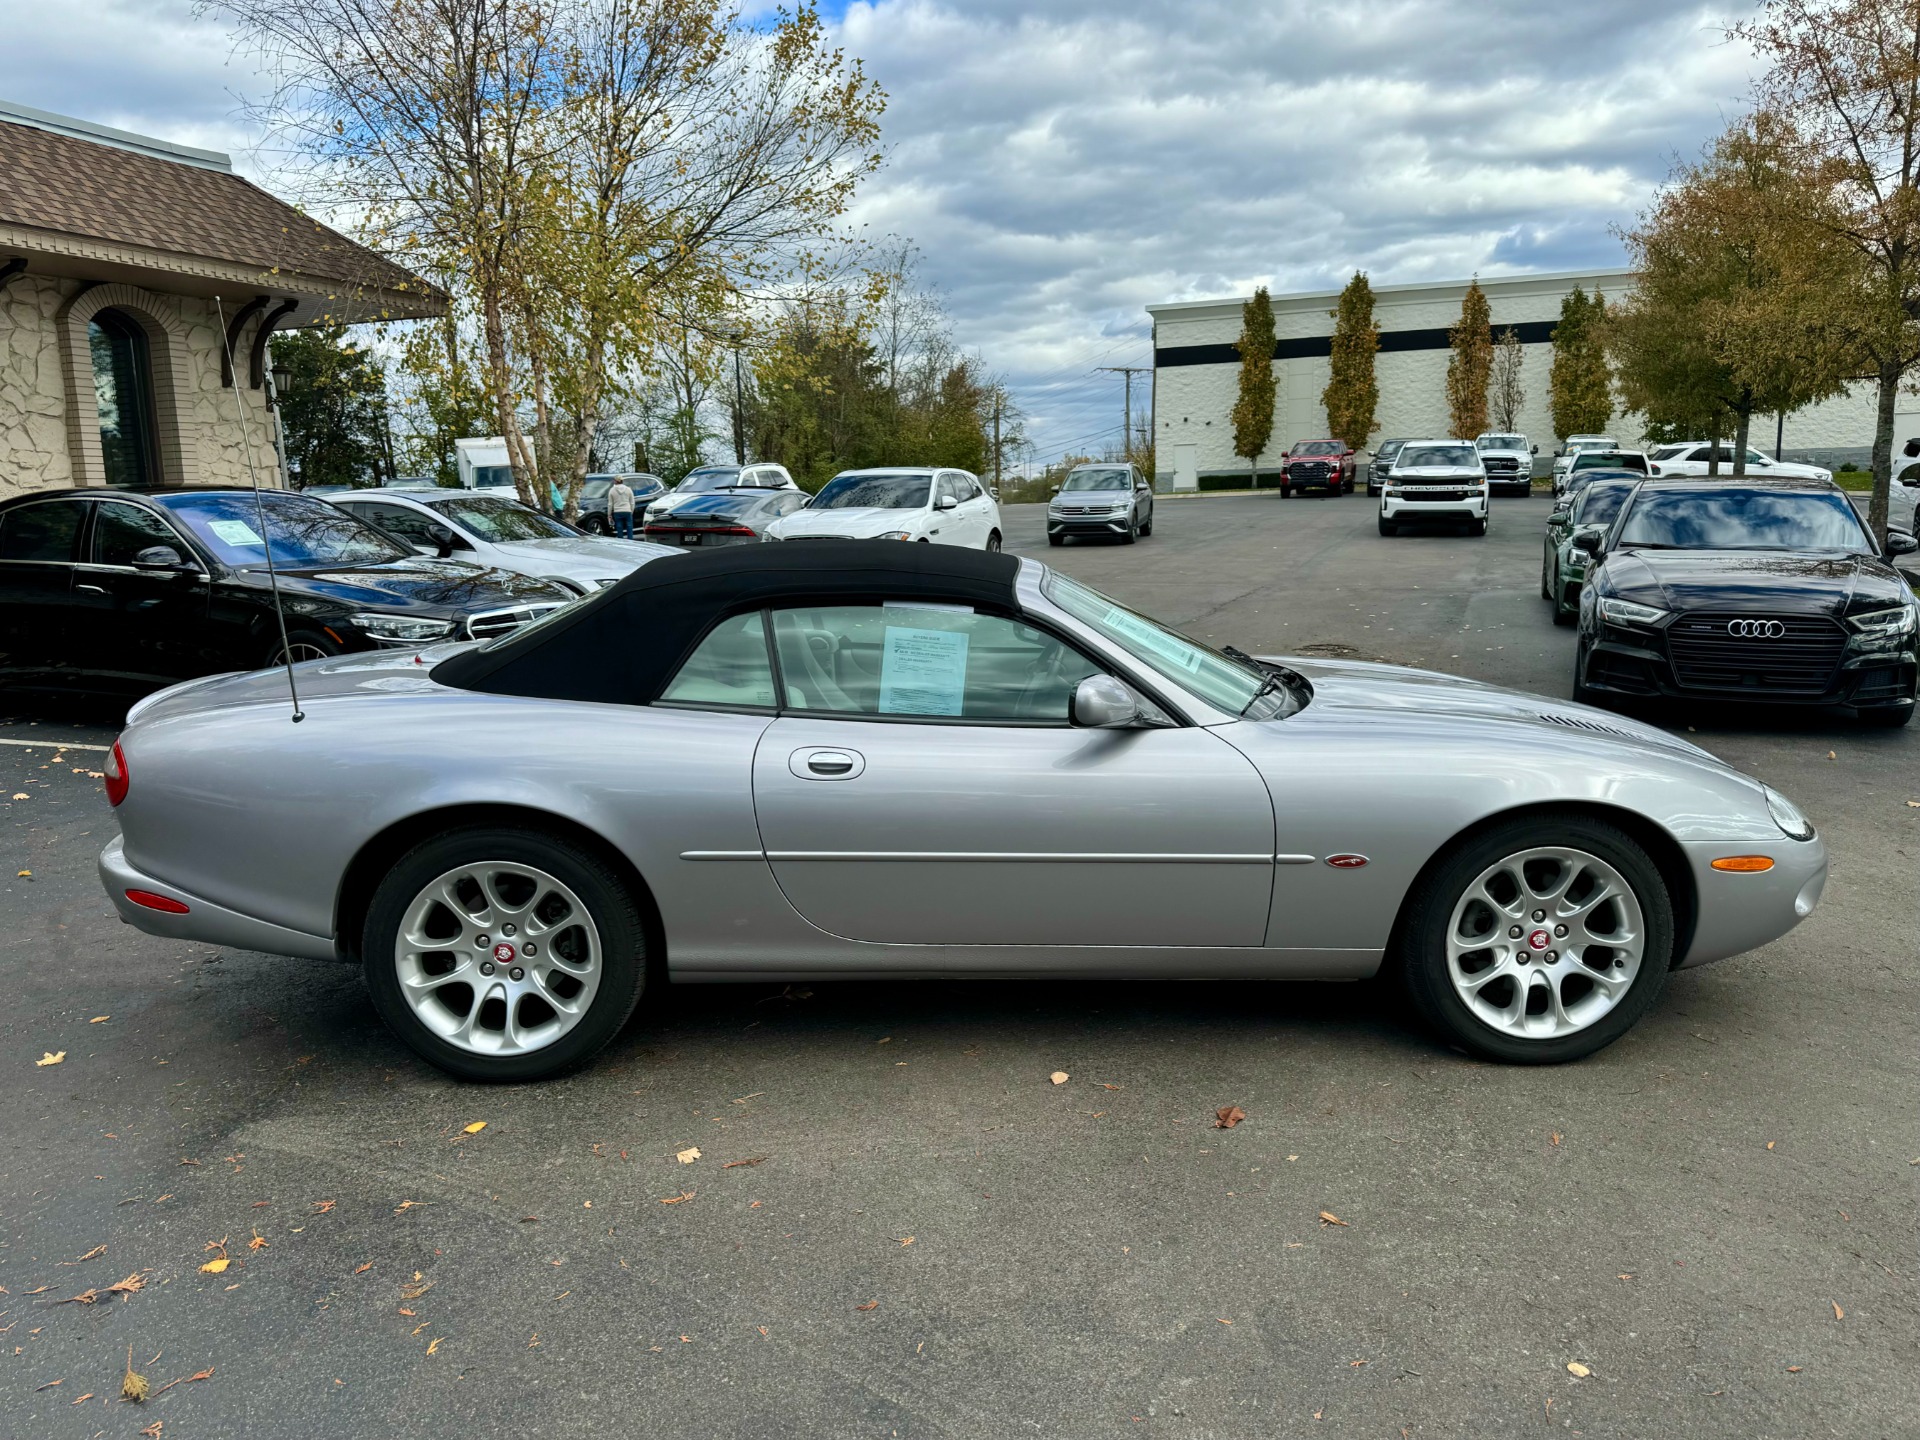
[
  {"x": 1388, "y": 449},
  {"x": 1502, "y": 442},
  {"x": 1600, "y": 503},
  {"x": 1222, "y": 682},
  {"x": 710, "y": 477},
  {"x": 498, "y": 520},
  {"x": 304, "y": 531},
  {"x": 1743, "y": 519},
  {"x": 1591, "y": 442},
  {"x": 1317, "y": 447},
  {"x": 1443, "y": 456},
  {"x": 874, "y": 492},
  {"x": 1103, "y": 479}
]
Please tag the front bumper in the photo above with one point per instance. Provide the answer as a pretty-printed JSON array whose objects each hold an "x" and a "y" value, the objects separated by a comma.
[
  {"x": 1637, "y": 663},
  {"x": 1738, "y": 912},
  {"x": 204, "y": 921},
  {"x": 1334, "y": 480},
  {"x": 1088, "y": 524},
  {"x": 1447, "y": 505}
]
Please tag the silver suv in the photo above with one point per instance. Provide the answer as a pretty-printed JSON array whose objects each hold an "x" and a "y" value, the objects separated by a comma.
[{"x": 1110, "y": 498}]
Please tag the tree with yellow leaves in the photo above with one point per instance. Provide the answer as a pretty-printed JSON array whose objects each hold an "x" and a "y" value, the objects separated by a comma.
[{"x": 1470, "y": 365}]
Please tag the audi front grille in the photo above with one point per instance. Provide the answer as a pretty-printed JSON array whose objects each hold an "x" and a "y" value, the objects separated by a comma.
[{"x": 1790, "y": 654}]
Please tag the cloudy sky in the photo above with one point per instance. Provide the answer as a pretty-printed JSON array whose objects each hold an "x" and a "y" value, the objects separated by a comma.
[{"x": 1064, "y": 163}]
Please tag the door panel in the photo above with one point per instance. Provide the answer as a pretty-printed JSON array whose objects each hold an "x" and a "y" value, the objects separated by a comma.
[
  {"x": 991, "y": 835},
  {"x": 39, "y": 543},
  {"x": 140, "y": 628}
]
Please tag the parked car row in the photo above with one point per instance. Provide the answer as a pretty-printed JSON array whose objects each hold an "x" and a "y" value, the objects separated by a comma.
[{"x": 1765, "y": 588}]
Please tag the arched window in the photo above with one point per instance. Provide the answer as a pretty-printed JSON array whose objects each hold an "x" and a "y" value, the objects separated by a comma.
[{"x": 123, "y": 389}]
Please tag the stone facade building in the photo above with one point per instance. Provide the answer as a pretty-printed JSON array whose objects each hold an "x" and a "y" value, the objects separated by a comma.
[
  {"x": 119, "y": 256},
  {"x": 1197, "y": 374}
]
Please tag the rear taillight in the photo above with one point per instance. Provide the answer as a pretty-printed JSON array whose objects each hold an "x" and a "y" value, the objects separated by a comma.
[{"x": 116, "y": 775}]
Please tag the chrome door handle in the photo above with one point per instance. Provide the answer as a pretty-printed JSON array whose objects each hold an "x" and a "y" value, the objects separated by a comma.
[
  {"x": 826, "y": 763},
  {"x": 92, "y": 589}
]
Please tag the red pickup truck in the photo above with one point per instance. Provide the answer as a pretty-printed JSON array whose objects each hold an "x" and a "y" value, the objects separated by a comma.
[{"x": 1324, "y": 465}]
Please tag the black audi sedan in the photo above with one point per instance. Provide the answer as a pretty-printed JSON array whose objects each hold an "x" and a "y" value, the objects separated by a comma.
[
  {"x": 118, "y": 593},
  {"x": 1754, "y": 589}
]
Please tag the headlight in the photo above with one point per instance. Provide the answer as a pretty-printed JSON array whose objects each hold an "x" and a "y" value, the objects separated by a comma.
[
  {"x": 1885, "y": 624},
  {"x": 1787, "y": 816},
  {"x": 894, "y": 535},
  {"x": 1625, "y": 612},
  {"x": 402, "y": 628}
]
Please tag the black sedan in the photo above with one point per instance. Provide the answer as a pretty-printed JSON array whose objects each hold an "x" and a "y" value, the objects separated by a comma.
[
  {"x": 725, "y": 517},
  {"x": 120, "y": 593},
  {"x": 1769, "y": 590}
]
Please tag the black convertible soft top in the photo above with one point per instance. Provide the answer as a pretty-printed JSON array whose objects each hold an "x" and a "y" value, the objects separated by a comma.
[{"x": 622, "y": 645}]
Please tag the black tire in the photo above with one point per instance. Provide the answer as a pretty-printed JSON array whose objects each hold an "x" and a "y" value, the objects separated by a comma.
[
  {"x": 1584, "y": 694},
  {"x": 1422, "y": 936},
  {"x": 993, "y": 541},
  {"x": 595, "y": 525},
  {"x": 1056, "y": 539},
  {"x": 608, "y": 898},
  {"x": 305, "y": 645},
  {"x": 1546, "y": 576},
  {"x": 1132, "y": 532},
  {"x": 1562, "y": 614},
  {"x": 1388, "y": 527},
  {"x": 1479, "y": 527},
  {"x": 1285, "y": 490},
  {"x": 1887, "y": 717},
  {"x": 1147, "y": 529}
]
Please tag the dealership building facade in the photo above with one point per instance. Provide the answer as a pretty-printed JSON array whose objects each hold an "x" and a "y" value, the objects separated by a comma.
[{"x": 1196, "y": 375}]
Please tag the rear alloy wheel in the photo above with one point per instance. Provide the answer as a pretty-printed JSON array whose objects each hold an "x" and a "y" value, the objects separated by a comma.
[
  {"x": 302, "y": 645},
  {"x": 1541, "y": 941},
  {"x": 503, "y": 954}
]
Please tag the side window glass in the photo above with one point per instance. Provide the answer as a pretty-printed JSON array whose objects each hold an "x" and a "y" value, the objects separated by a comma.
[
  {"x": 923, "y": 659},
  {"x": 407, "y": 524},
  {"x": 49, "y": 530},
  {"x": 730, "y": 667},
  {"x": 121, "y": 532}
]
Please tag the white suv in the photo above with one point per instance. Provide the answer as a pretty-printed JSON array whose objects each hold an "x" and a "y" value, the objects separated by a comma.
[
  {"x": 1571, "y": 446},
  {"x": 1692, "y": 457},
  {"x": 898, "y": 502},
  {"x": 1435, "y": 480}
]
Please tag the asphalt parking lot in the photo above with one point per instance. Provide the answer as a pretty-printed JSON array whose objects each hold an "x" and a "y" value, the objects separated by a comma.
[{"x": 897, "y": 1226}]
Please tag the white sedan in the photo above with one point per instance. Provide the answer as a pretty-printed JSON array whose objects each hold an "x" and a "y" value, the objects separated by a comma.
[
  {"x": 1692, "y": 457},
  {"x": 943, "y": 507},
  {"x": 493, "y": 530}
]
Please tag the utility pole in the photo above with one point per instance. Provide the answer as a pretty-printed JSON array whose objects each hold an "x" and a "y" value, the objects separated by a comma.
[
  {"x": 996, "y": 440},
  {"x": 1126, "y": 429},
  {"x": 739, "y": 410}
]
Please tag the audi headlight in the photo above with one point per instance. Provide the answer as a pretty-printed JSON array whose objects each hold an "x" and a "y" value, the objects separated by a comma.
[
  {"x": 1885, "y": 624},
  {"x": 402, "y": 629},
  {"x": 1625, "y": 612},
  {"x": 1787, "y": 816}
]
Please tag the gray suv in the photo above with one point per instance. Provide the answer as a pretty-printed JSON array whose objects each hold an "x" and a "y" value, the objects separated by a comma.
[{"x": 1108, "y": 498}]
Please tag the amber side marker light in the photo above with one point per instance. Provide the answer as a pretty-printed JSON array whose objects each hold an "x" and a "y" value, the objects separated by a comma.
[
  {"x": 1745, "y": 864},
  {"x": 151, "y": 901}
]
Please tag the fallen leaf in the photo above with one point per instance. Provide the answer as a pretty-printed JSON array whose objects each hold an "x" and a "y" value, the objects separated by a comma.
[
  {"x": 257, "y": 1243},
  {"x": 1794, "y": 1369},
  {"x": 688, "y": 1155},
  {"x": 1327, "y": 1217},
  {"x": 85, "y": 1297},
  {"x": 1769, "y": 1144},
  {"x": 49, "y": 1385},
  {"x": 905, "y": 1241},
  {"x": 1554, "y": 1138},
  {"x": 1223, "y": 1320},
  {"x": 676, "y": 1199},
  {"x": 1627, "y": 1276},
  {"x": 736, "y": 1164},
  {"x": 206, "y": 1374},
  {"x": 1059, "y": 1077},
  {"x": 433, "y": 1346},
  {"x": 134, "y": 1387},
  {"x": 1293, "y": 1157},
  {"x": 321, "y": 1207},
  {"x": 152, "y": 1432},
  {"x": 21, "y": 795},
  {"x": 82, "y": 1399},
  {"x": 52, "y": 1057},
  {"x": 406, "y": 1205},
  {"x": 93, "y": 1254},
  {"x": 870, "y": 1305},
  {"x": 133, "y": 1282},
  {"x": 1838, "y": 1313},
  {"x": 1576, "y": 1369},
  {"x": 362, "y": 1269},
  {"x": 410, "y": 1314},
  {"x": 216, "y": 1267},
  {"x": 475, "y": 1128},
  {"x": 28, "y": 874},
  {"x": 1913, "y": 804},
  {"x": 99, "y": 1019},
  {"x": 1228, "y": 1116},
  {"x": 416, "y": 1289}
]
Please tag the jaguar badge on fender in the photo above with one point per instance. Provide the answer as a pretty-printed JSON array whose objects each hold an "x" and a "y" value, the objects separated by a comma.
[{"x": 1346, "y": 862}]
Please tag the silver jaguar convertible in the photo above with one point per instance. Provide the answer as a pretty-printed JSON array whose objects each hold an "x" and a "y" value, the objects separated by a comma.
[{"x": 853, "y": 759}]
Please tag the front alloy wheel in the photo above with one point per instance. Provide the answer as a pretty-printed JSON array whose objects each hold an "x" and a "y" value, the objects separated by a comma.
[
  {"x": 1543, "y": 941},
  {"x": 503, "y": 954}
]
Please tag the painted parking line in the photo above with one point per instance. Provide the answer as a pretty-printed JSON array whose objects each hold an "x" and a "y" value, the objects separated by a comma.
[{"x": 54, "y": 744}]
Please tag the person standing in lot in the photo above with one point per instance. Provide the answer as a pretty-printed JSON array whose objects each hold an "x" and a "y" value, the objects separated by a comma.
[{"x": 620, "y": 509}]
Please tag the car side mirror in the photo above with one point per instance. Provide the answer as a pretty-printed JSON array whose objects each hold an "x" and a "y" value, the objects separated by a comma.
[
  {"x": 1536, "y": 449},
  {"x": 1900, "y": 542},
  {"x": 1590, "y": 541},
  {"x": 1054, "y": 491},
  {"x": 160, "y": 557},
  {"x": 946, "y": 502},
  {"x": 1101, "y": 702},
  {"x": 1911, "y": 448}
]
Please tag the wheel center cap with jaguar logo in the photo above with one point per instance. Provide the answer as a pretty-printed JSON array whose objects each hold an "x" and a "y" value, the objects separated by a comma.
[
  {"x": 503, "y": 953},
  {"x": 1538, "y": 940}
]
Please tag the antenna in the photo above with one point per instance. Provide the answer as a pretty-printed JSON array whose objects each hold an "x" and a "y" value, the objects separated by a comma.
[{"x": 260, "y": 514}]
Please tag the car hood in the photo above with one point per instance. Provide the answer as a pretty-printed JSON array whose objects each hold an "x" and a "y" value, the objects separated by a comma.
[
  {"x": 432, "y": 587},
  {"x": 1349, "y": 693},
  {"x": 852, "y": 523},
  {"x": 582, "y": 557},
  {"x": 1776, "y": 581},
  {"x": 1434, "y": 472}
]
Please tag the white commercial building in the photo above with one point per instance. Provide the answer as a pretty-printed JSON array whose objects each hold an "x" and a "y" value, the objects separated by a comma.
[{"x": 1196, "y": 374}]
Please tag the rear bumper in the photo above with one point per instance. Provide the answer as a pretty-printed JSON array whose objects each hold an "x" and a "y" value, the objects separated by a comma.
[
  {"x": 1739, "y": 912},
  {"x": 204, "y": 921}
]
